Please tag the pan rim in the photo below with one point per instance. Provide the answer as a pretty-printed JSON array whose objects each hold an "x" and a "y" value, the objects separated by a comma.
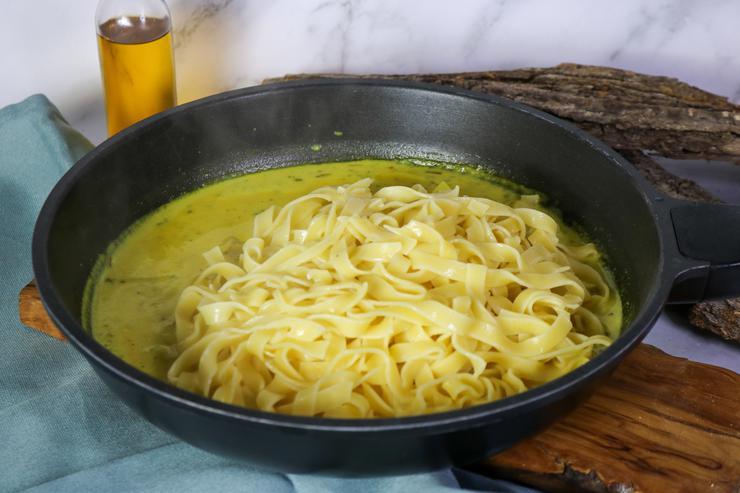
[{"x": 430, "y": 423}]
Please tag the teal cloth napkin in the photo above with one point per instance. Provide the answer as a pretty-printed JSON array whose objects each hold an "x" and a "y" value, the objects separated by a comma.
[{"x": 60, "y": 427}]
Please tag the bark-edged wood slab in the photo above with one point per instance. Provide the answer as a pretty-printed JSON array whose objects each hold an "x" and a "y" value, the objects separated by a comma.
[
  {"x": 721, "y": 317},
  {"x": 658, "y": 424},
  {"x": 625, "y": 109}
]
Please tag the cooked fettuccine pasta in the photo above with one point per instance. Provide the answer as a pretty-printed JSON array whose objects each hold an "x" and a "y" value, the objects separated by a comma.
[{"x": 354, "y": 303}]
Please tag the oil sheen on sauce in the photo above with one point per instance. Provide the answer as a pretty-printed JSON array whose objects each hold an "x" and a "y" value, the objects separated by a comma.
[
  {"x": 133, "y": 296},
  {"x": 137, "y": 67}
]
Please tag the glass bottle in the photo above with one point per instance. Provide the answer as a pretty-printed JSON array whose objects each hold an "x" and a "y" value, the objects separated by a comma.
[{"x": 136, "y": 60}]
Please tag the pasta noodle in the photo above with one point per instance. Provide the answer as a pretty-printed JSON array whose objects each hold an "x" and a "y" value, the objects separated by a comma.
[{"x": 346, "y": 303}]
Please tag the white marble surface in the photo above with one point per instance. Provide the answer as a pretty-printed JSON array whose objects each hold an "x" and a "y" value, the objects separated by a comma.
[{"x": 49, "y": 46}]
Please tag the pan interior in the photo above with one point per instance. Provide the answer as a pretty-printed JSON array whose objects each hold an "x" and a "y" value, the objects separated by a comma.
[{"x": 150, "y": 164}]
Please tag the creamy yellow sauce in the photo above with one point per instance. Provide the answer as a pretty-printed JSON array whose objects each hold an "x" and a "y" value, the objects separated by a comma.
[{"x": 134, "y": 293}]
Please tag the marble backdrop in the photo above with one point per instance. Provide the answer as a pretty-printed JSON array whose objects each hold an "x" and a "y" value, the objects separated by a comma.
[{"x": 49, "y": 45}]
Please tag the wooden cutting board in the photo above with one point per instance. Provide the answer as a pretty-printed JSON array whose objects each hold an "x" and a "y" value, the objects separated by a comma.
[{"x": 659, "y": 424}]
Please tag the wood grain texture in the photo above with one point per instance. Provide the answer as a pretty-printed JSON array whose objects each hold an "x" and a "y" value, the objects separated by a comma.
[
  {"x": 625, "y": 109},
  {"x": 658, "y": 424},
  {"x": 33, "y": 314},
  {"x": 633, "y": 113}
]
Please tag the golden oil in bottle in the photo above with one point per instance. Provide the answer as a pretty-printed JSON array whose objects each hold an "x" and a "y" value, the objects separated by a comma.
[{"x": 137, "y": 68}]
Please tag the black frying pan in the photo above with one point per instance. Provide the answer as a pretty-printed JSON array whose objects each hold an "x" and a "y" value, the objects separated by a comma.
[{"x": 659, "y": 248}]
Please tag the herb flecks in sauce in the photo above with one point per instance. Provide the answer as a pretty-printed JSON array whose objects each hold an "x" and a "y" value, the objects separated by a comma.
[{"x": 133, "y": 297}]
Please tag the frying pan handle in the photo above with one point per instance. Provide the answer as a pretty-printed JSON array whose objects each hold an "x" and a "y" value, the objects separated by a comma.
[{"x": 709, "y": 233}]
